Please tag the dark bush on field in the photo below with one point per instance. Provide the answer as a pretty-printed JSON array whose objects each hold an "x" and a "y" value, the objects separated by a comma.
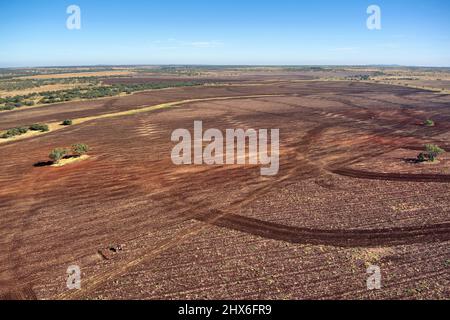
[
  {"x": 422, "y": 157},
  {"x": 39, "y": 127},
  {"x": 67, "y": 122}
]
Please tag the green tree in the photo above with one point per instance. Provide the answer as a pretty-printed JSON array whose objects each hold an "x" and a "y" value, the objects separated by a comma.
[
  {"x": 79, "y": 149},
  {"x": 57, "y": 154},
  {"x": 433, "y": 151}
]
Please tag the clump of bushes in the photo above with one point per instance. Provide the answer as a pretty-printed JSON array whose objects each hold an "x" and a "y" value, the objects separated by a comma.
[
  {"x": 15, "y": 132},
  {"x": 39, "y": 127},
  {"x": 432, "y": 153},
  {"x": 7, "y": 107},
  {"x": 22, "y": 130},
  {"x": 77, "y": 150},
  {"x": 12, "y": 103},
  {"x": 67, "y": 122}
]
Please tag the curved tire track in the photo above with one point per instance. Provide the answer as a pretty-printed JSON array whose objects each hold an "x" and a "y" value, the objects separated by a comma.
[
  {"x": 340, "y": 238},
  {"x": 408, "y": 177}
]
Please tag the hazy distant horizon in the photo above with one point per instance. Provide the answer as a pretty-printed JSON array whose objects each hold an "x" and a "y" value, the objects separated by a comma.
[
  {"x": 199, "y": 32},
  {"x": 223, "y": 65}
]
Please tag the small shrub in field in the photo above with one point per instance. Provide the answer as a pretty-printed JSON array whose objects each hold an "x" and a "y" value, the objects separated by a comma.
[
  {"x": 15, "y": 132},
  {"x": 67, "y": 122},
  {"x": 57, "y": 154},
  {"x": 422, "y": 157},
  {"x": 433, "y": 151},
  {"x": 39, "y": 127},
  {"x": 79, "y": 149},
  {"x": 429, "y": 123}
]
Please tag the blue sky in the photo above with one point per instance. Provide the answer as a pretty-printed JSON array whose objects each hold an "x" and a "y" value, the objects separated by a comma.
[{"x": 34, "y": 33}]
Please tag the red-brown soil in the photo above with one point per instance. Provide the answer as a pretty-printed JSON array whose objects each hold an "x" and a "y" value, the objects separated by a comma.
[
  {"x": 142, "y": 80},
  {"x": 225, "y": 232}
]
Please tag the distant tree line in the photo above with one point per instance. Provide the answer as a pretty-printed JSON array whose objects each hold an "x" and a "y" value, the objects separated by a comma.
[
  {"x": 22, "y": 84},
  {"x": 93, "y": 92},
  {"x": 107, "y": 91}
]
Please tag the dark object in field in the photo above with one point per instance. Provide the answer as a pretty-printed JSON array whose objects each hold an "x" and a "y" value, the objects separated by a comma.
[{"x": 110, "y": 252}]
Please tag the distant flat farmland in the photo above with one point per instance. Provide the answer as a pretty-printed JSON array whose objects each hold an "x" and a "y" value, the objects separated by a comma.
[{"x": 80, "y": 75}]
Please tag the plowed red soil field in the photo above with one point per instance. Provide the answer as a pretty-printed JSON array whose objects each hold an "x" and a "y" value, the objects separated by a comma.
[{"x": 226, "y": 232}]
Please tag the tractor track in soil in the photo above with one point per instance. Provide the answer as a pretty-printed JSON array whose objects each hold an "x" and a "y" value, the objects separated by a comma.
[
  {"x": 340, "y": 238},
  {"x": 361, "y": 174}
]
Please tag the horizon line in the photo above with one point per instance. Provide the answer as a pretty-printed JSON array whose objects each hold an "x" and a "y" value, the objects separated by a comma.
[{"x": 222, "y": 65}]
